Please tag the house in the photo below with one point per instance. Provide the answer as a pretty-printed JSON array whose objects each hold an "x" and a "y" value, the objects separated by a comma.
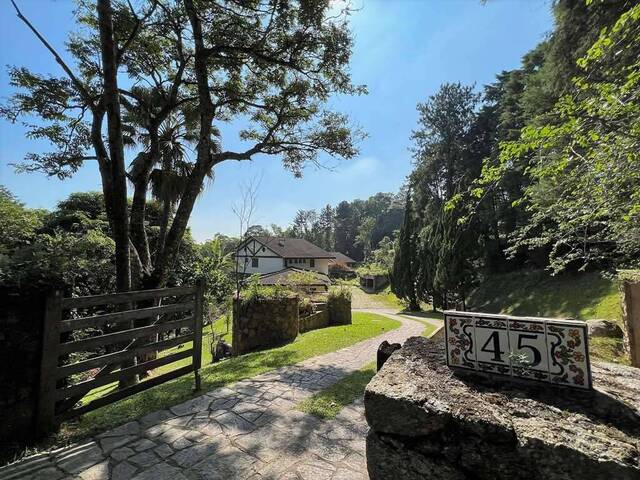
[
  {"x": 340, "y": 258},
  {"x": 265, "y": 255}
]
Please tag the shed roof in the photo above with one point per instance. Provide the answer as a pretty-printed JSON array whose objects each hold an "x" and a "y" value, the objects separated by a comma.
[{"x": 339, "y": 257}]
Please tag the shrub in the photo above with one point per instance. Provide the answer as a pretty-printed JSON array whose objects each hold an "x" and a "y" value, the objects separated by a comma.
[
  {"x": 340, "y": 292},
  {"x": 373, "y": 269},
  {"x": 255, "y": 291}
]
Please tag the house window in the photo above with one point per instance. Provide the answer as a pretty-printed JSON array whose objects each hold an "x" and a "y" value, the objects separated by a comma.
[
  {"x": 312, "y": 263},
  {"x": 254, "y": 263}
]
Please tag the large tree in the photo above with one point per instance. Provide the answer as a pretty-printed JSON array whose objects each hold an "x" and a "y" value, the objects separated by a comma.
[{"x": 269, "y": 66}]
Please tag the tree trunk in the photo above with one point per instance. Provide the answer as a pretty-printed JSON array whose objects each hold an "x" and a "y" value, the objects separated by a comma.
[{"x": 118, "y": 207}]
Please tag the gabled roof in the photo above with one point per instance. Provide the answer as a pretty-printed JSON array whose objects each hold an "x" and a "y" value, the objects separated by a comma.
[
  {"x": 341, "y": 258},
  {"x": 292, "y": 247},
  {"x": 282, "y": 277}
]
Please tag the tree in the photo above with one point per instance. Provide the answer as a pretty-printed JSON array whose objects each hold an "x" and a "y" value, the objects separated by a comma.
[
  {"x": 363, "y": 237},
  {"x": 583, "y": 198},
  {"x": 273, "y": 64},
  {"x": 404, "y": 274},
  {"x": 444, "y": 169},
  {"x": 326, "y": 228}
]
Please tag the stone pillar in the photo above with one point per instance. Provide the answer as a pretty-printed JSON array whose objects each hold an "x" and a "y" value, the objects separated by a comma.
[{"x": 630, "y": 297}]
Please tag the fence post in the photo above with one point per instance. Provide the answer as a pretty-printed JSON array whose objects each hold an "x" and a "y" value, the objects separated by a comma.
[
  {"x": 630, "y": 297},
  {"x": 49, "y": 363},
  {"x": 197, "y": 331}
]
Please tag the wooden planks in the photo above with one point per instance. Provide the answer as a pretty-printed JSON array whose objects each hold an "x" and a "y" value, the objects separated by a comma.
[
  {"x": 125, "y": 315},
  {"x": 125, "y": 297},
  {"x": 188, "y": 299},
  {"x": 116, "y": 337}
]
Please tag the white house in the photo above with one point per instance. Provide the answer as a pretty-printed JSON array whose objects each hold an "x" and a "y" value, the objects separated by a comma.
[{"x": 271, "y": 254}]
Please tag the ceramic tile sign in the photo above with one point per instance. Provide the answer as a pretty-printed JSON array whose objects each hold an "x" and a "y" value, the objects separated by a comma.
[{"x": 541, "y": 349}]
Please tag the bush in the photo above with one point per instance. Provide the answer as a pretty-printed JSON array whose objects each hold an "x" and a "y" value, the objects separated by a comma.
[
  {"x": 373, "y": 269},
  {"x": 340, "y": 292},
  {"x": 306, "y": 307},
  {"x": 255, "y": 291}
]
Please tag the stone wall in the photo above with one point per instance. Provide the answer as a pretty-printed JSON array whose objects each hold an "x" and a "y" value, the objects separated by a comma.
[
  {"x": 263, "y": 323},
  {"x": 339, "y": 310},
  {"x": 319, "y": 319},
  {"x": 428, "y": 421},
  {"x": 21, "y": 320}
]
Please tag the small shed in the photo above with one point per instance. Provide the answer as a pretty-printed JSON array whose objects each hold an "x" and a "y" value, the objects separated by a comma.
[{"x": 371, "y": 283}]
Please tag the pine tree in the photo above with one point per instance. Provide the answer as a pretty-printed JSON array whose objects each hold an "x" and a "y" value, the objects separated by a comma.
[{"x": 403, "y": 277}]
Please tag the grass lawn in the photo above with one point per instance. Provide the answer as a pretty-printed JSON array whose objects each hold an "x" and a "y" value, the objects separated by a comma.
[
  {"x": 315, "y": 342},
  {"x": 388, "y": 298},
  {"x": 329, "y": 402},
  {"x": 608, "y": 350},
  {"x": 581, "y": 296}
]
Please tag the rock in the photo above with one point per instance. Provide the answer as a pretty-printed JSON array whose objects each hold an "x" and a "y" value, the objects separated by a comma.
[
  {"x": 604, "y": 328},
  {"x": 79, "y": 458},
  {"x": 97, "y": 472},
  {"x": 123, "y": 471},
  {"x": 428, "y": 421},
  {"x": 385, "y": 350}
]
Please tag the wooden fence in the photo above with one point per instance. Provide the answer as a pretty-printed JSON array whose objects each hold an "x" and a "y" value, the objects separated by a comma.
[{"x": 134, "y": 321}]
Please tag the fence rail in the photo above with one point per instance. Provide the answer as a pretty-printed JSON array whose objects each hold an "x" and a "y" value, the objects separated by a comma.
[{"x": 122, "y": 348}]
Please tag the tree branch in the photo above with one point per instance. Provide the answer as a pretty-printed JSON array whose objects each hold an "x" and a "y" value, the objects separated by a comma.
[{"x": 78, "y": 84}]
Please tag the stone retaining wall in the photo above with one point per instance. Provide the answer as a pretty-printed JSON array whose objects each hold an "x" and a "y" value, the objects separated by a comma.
[
  {"x": 263, "y": 323},
  {"x": 339, "y": 311},
  {"x": 320, "y": 319},
  {"x": 430, "y": 422}
]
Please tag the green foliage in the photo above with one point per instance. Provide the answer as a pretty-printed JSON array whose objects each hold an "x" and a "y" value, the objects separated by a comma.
[
  {"x": 254, "y": 291},
  {"x": 340, "y": 292},
  {"x": 215, "y": 267},
  {"x": 441, "y": 249},
  {"x": 354, "y": 228},
  {"x": 405, "y": 262},
  {"x": 559, "y": 180},
  {"x": 373, "y": 269}
]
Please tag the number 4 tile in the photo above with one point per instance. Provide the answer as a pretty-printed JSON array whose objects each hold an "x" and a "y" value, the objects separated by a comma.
[{"x": 492, "y": 345}]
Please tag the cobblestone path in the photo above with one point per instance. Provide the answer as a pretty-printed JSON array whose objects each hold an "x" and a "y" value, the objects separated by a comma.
[{"x": 248, "y": 430}]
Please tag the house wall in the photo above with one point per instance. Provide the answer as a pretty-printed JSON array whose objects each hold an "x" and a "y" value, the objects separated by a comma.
[
  {"x": 265, "y": 265},
  {"x": 321, "y": 264},
  {"x": 268, "y": 261}
]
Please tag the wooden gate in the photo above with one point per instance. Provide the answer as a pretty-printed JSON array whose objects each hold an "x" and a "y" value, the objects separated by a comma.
[{"x": 160, "y": 311}]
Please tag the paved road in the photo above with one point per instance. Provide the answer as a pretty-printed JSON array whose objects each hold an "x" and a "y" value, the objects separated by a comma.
[{"x": 249, "y": 430}]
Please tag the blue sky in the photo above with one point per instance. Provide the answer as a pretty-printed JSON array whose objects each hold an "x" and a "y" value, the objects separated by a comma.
[{"x": 404, "y": 50}]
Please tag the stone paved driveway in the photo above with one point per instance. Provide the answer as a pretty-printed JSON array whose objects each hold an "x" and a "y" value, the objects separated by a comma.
[{"x": 249, "y": 430}]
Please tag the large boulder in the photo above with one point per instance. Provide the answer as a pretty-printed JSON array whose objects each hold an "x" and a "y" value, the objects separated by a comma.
[
  {"x": 604, "y": 328},
  {"x": 430, "y": 422}
]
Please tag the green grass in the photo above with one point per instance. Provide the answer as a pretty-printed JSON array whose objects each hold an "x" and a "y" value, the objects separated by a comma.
[
  {"x": 580, "y": 296},
  {"x": 316, "y": 342},
  {"x": 608, "y": 350},
  {"x": 388, "y": 298},
  {"x": 328, "y": 403}
]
